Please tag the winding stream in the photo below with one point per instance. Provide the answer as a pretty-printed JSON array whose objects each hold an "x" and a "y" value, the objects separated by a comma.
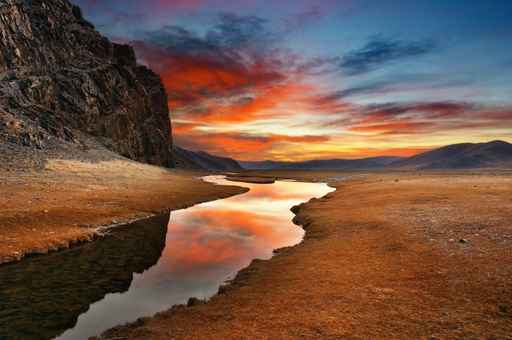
[{"x": 150, "y": 265}]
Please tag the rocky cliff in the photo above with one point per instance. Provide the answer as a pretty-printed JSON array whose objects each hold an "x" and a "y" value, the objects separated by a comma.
[{"x": 62, "y": 83}]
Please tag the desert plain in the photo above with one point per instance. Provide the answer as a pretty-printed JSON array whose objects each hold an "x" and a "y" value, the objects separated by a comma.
[{"x": 389, "y": 254}]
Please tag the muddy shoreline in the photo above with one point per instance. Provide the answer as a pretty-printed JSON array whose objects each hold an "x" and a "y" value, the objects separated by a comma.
[
  {"x": 251, "y": 179},
  {"x": 244, "y": 274},
  {"x": 71, "y": 202},
  {"x": 311, "y": 290},
  {"x": 100, "y": 231}
]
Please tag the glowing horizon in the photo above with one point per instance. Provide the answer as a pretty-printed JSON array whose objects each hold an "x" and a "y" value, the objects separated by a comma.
[{"x": 257, "y": 80}]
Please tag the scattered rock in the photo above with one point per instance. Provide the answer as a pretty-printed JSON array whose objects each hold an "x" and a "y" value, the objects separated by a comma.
[
  {"x": 295, "y": 209},
  {"x": 222, "y": 290},
  {"x": 463, "y": 241},
  {"x": 194, "y": 302}
]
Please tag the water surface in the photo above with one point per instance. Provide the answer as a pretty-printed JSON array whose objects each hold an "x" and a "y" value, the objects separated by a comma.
[{"x": 149, "y": 266}]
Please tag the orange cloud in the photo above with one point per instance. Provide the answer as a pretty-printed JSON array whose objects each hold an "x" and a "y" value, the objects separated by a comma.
[
  {"x": 240, "y": 146},
  {"x": 233, "y": 86},
  {"x": 264, "y": 103},
  {"x": 399, "y": 152},
  {"x": 393, "y": 127}
]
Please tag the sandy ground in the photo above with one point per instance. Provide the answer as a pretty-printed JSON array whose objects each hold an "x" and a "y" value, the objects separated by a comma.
[
  {"x": 386, "y": 256},
  {"x": 68, "y": 200}
]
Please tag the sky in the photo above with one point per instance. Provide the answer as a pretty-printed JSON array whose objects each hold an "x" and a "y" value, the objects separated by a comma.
[{"x": 317, "y": 79}]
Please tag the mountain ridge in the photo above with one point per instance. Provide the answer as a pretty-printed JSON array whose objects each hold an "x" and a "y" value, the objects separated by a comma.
[
  {"x": 325, "y": 164},
  {"x": 493, "y": 154},
  {"x": 201, "y": 160}
]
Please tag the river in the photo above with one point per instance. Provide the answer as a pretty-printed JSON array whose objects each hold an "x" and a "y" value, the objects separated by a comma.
[{"x": 150, "y": 265}]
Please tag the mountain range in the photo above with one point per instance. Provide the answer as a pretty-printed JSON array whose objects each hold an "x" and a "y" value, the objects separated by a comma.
[
  {"x": 66, "y": 91},
  {"x": 495, "y": 154},
  {"x": 327, "y": 164}
]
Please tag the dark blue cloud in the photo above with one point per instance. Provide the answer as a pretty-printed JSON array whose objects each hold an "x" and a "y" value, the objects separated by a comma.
[
  {"x": 380, "y": 51},
  {"x": 232, "y": 40},
  {"x": 399, "y": 83},
  {"x": 233, "y": 30}
]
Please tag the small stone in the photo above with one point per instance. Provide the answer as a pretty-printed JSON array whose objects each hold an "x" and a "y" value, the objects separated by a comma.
[
  {"x": 451, "y": 240},
  {"x": 194, "y": 302},
  {"x": 463, "y": 241},
  {"x": 46, "y": 211}
]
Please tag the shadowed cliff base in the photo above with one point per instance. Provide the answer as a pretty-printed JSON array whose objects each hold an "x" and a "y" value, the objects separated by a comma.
[{"x": 399, "y": 255}]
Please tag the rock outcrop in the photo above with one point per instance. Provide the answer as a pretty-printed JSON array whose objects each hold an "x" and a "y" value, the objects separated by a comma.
[{"x": 61, "y": 82}]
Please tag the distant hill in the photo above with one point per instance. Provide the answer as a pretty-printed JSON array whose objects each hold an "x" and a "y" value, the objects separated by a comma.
[
  {"x": 200, "y": 160},
  {"x": 495, "y": 154},
  {"x": 327, "y": 164}
]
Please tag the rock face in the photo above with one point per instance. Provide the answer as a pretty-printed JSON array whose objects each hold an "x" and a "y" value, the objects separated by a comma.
[{"x": 60, "y": 80}]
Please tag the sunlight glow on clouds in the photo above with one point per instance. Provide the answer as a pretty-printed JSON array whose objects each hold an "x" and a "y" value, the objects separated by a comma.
[{"x": 307, "y": 79}]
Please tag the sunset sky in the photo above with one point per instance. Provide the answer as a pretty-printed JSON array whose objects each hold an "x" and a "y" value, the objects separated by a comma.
[{"x": 311, "y": 79}]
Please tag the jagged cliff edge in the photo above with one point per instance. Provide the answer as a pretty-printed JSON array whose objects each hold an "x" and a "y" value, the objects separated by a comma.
[{"x": 64, "y": 84}]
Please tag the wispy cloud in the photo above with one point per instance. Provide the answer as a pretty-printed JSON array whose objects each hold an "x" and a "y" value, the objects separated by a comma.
[
  {"x": 428, "y": 118},
  {"x": 243, "y": 146},
  {"x": 380, "y": 51},
  {"x": 231, "y": 63}
]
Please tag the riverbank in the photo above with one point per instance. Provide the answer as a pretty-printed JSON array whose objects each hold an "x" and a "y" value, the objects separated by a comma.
[
  {"x": 398, "y": 255},
  {"x": 251, "y": 179},
  {"x": 72, "y": 201}
]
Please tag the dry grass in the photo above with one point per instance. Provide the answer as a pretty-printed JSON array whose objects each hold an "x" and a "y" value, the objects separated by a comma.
[
  {"x": 69, "y": 200},
  {"x": 383, "y": 258}
]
